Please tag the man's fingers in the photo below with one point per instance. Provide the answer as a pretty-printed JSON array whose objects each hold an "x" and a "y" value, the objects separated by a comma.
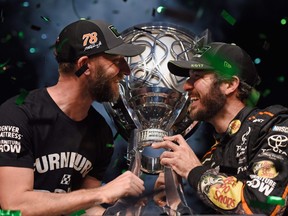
[
  {"x": 170, "y": 142},
  {"x": 169, "y": 145},
  {"x": 160, "y": 198},
  {"x": 177, "y": 139},
  {"x": 166, "y": 154}
]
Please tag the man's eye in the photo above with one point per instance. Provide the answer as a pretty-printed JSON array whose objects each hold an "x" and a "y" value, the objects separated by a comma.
[
  {"x": 117, "y": 62},
  {"x": 197, "y": 76}
]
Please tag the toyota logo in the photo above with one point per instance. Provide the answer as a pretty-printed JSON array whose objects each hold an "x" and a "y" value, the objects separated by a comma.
[{"x": 277, "y": 141}]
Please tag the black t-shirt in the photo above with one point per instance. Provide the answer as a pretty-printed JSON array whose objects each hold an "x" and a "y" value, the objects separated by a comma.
[{"x": 36, "y": 134}]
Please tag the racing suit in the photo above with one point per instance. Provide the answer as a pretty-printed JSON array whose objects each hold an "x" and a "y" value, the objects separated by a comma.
[{"x": 246, "y": 170}]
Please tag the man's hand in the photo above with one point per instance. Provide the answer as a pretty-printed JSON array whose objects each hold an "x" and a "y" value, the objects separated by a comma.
[
  {"x": 127, "y": 184},
  {"x": 181, "y": 158}
]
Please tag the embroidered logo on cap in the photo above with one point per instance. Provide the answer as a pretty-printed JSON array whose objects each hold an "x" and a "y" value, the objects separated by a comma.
[
  {"x": 227, "y": 65},
  {"x": 197, "y": 65},
  {"x": 114, "y": 31},
  {"x": 90, "y": 40}
]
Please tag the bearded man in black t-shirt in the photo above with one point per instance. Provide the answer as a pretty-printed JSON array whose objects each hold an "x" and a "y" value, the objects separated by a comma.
[{"x": 54, "y": 146}]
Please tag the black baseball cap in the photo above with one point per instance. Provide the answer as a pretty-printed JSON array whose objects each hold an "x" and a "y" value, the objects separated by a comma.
[
  {"x": 226, "y": 59},
  {"x": 89, "y": 37}
]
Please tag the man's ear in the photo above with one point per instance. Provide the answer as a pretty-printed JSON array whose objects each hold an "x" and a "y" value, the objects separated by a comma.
[
  {"x": 232, "y": 85},
  {"x": 82, "y": 66},
  {"x": 82, "y": 60}
]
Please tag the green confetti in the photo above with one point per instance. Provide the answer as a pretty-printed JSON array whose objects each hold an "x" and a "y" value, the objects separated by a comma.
[
  {"x": 160, "y": 9},
  {"x": 77, "y": 213},
  {"x": 21, "y": 98},
  {"x": 21, "y": 35},
  {"x": 231, "y": 20},
  {"x": 110, "y": 145},
  {"x": 5, "y": 63},
  {"x": 10, "y": 213},
  {"x": 6, "y": 39},
  {"x": 266, "y": 92},
  {"x": 281, "y": 79},
  {"x": 274, "y": 200},
  {"x": 253, "y": 98},
  {"x": 283, "y": 21},
  {"x": 45, "y": 19}
]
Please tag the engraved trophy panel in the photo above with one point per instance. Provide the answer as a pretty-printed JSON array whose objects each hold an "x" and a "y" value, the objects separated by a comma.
[{"x": 152, "y": 102}]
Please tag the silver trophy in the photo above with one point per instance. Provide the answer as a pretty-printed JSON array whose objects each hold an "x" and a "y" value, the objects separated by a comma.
[{"x": 152, "y": 104}]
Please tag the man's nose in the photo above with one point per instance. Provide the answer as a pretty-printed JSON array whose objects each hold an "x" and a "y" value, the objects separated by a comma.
[
  {"x": 189, "y": 84},
  {"x": 124, "y": 67}
]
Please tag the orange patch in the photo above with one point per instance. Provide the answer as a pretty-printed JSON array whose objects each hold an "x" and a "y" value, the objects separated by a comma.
[{"x": 265, "y": 169}]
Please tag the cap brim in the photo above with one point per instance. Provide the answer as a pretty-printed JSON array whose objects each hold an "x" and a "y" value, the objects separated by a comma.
[
  {"x": 128, "y": 50},
  {"x": 179, "y": 68},
  {"x": 182, "y": 68}
]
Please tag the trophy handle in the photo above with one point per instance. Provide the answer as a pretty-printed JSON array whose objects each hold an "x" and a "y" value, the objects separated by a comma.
[
  {"x": 128, "y": 205},
  {"x": 134, "y": 155},
  {"x": 175, "y": 198}
]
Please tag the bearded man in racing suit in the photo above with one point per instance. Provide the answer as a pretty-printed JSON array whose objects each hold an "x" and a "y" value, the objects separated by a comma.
[{"x": 246, "y": 171}]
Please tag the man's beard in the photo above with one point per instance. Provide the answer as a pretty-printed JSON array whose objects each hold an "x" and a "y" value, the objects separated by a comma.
[
  {"x": 213, "y": 102},
  {"x": 102, "y": 88}
]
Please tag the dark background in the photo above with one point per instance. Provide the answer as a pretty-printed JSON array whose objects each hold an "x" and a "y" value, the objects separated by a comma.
[
  {"x": 29, "y": 29},
  {"x": 252, "y": 24}
]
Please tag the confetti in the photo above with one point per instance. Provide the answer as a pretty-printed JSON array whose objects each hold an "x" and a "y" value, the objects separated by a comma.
[
  {"x": 274, "y": 200},
  {"x": 21, "y": 98},
  {"x": 6, "y": 39},
  {"x": 266, "y": 92},
  {"x": 253, "y": 98},
  {"x": 9, "y": 213},
  {"x": 45, "y": 19},
  {"x": 153, "y": 12},
  {"x": 271, "y": 201},
  {"x": 110, "y": 145},
  {"x": 281, "y": 79},
  {"x": 77, "y": 213},
  {"x": 36, "y": 28},
  {"x": 231, "y": 20}
]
